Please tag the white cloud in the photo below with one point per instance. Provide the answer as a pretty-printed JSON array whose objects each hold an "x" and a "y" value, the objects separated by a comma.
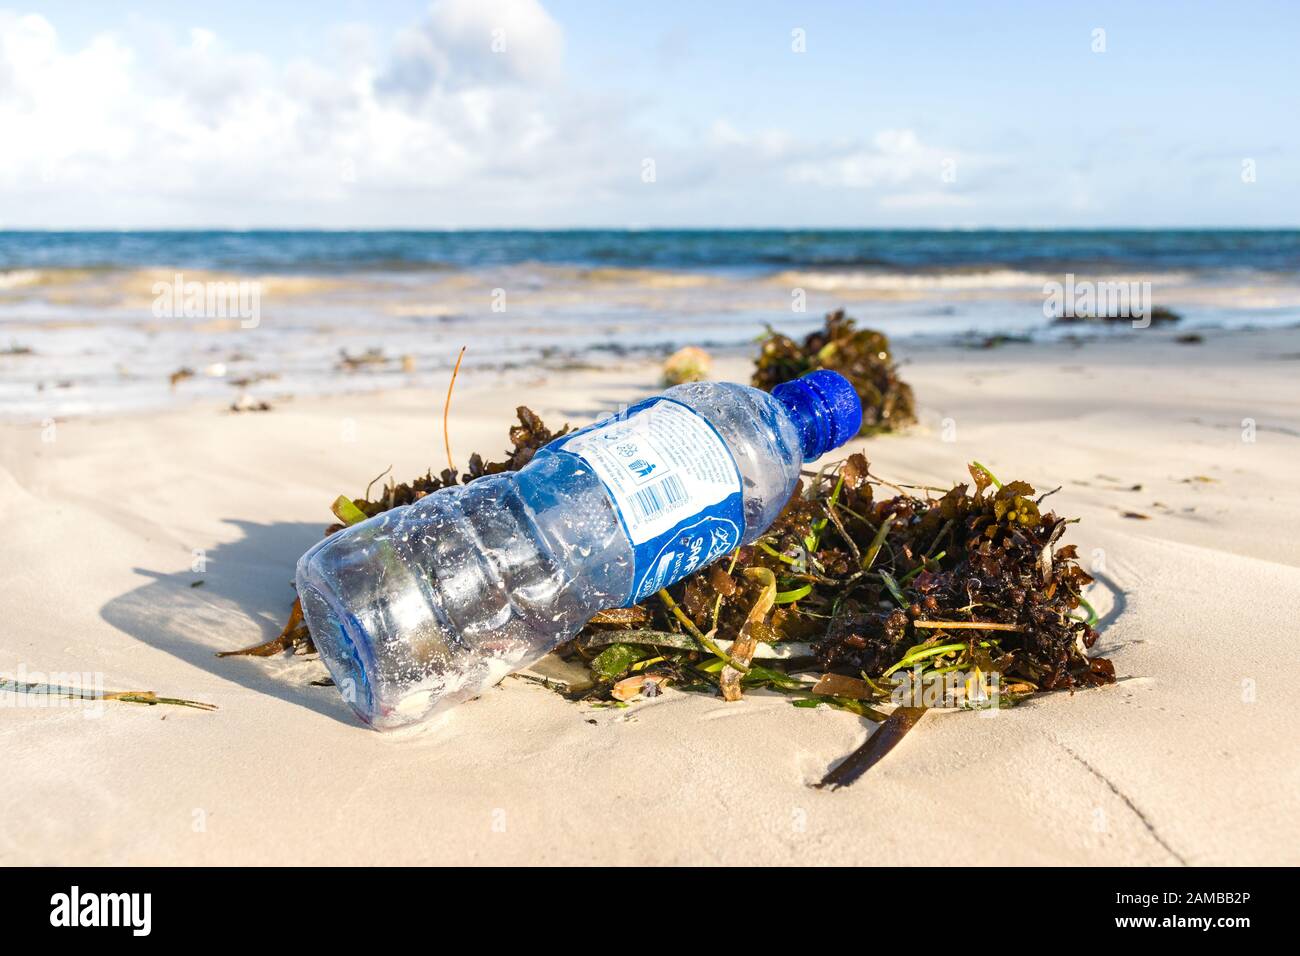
[
  {"x": 464, "y": 118},
  {"x": 178, "y": 129},
  {"x": 469, "y": 44},
  {"x": 895, "y": 158}
]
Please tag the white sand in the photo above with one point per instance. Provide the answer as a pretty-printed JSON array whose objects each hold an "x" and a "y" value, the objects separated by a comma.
[{"x": 1191, "y": 758}]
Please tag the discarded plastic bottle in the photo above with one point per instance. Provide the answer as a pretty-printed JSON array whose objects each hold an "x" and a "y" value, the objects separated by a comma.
[{"x": 426, "y": 605}]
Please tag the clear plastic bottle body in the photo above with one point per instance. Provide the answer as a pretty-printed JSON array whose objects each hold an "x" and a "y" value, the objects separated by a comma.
[{"x": 427, "y": 605}]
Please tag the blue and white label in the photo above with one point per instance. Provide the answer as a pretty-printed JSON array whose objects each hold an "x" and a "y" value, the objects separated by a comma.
[{"x": 674, "y": 485}]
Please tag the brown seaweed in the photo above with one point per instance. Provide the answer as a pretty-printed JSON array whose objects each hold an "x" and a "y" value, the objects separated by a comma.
[
  {"x": 880, "y": 742},
  {"x": 863, "y": 356},
  {"x": 1160, "y": 315}
]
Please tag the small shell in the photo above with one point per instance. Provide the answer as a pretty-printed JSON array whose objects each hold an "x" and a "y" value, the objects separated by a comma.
[{"x": 639, "y": 685}]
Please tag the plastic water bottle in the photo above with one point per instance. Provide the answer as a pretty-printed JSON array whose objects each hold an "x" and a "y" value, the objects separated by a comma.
[{"x": 429, "y": 604}]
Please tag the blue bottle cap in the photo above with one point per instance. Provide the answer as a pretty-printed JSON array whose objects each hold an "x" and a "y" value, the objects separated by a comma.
[{"x": 825, "y": 408}]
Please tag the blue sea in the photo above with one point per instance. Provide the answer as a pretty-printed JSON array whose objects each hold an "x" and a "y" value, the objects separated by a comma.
[{"x": 94, "y": 322}]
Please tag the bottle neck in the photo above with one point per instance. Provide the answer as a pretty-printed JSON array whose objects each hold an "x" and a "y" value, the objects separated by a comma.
[{"x": 824, "y": 408}]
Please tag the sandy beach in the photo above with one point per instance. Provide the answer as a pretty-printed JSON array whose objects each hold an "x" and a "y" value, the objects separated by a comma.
[{"x": 138, "y": 546}]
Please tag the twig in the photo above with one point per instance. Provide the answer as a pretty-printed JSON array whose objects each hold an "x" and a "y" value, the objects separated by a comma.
[
  {"x": 446, "y": 408},
  {"x": 968, "y": 626},
  {"x": 816, "y": 537},
  {"x": 839, "y": 526}
]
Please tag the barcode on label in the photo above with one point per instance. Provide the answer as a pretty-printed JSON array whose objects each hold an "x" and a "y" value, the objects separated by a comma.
[{"x": 662, "y": 496}]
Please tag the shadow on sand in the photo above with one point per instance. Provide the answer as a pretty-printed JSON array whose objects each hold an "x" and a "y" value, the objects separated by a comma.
[{"x": 244, "y": 599}]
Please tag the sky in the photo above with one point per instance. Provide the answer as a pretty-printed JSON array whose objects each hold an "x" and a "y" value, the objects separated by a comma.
[{"x": 524, "y": 113}]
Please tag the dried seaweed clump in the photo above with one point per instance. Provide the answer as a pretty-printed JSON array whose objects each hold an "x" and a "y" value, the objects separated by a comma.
[
  {"x": 860, "y": 355},
  {"x": 863, "y": 591},
  {"x": 689, "y": 364},
  {"x": 989, "y": 565},
  {"x": 1115, "y": 314}
]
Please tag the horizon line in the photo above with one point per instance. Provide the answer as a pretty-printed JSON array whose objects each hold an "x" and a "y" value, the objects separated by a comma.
[{"x": 635, "y": 229}]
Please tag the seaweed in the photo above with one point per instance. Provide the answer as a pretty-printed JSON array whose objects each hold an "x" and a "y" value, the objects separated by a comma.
[
  {"x": 902, "y": 720},
  {"x": 863, "y": 356},
  {"x": 689, "y": 364},
  {"x": 370, "y": 358},
  {"x": 1159, "y": 315},
  {"x": 69, "y": 692},
  {"x": 977, "y": 583}
]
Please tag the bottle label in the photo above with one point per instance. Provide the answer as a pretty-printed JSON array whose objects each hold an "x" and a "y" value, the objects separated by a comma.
[{"x": 674, "y": 484}]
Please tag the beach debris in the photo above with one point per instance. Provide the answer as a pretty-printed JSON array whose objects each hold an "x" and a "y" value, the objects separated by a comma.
[
  {"x": 742, "y": 649},
  {"x": 639, "y": 685},
  {"x": 862, "y": 356},
  {"x": 526, "y": 438},
  {"x": 968, "y": 580},
  {"x": 998, "y": 340},
  {"x": 867, "y": 596},
  {"x": 294, "y": 636},
  {"x": 252, "y": 378},
  {"x": 370, "y": 358},
  {"x": 689, "y": 364},
  {"x": 246, "y": 403},
  {"x": 880, "y": 742},
  {"x": 1159, "y": 315},
  {"x": 446, "y": 410},
  {"x": 863, "y": 596},
  {"x": 82, "y": 693}
]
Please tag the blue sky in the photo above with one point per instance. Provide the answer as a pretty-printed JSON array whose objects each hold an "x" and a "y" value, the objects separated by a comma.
[{"x": 401, "y": 114}]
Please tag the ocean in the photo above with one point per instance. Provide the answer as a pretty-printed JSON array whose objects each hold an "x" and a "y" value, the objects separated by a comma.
[{"x": 101, "y": 322}]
